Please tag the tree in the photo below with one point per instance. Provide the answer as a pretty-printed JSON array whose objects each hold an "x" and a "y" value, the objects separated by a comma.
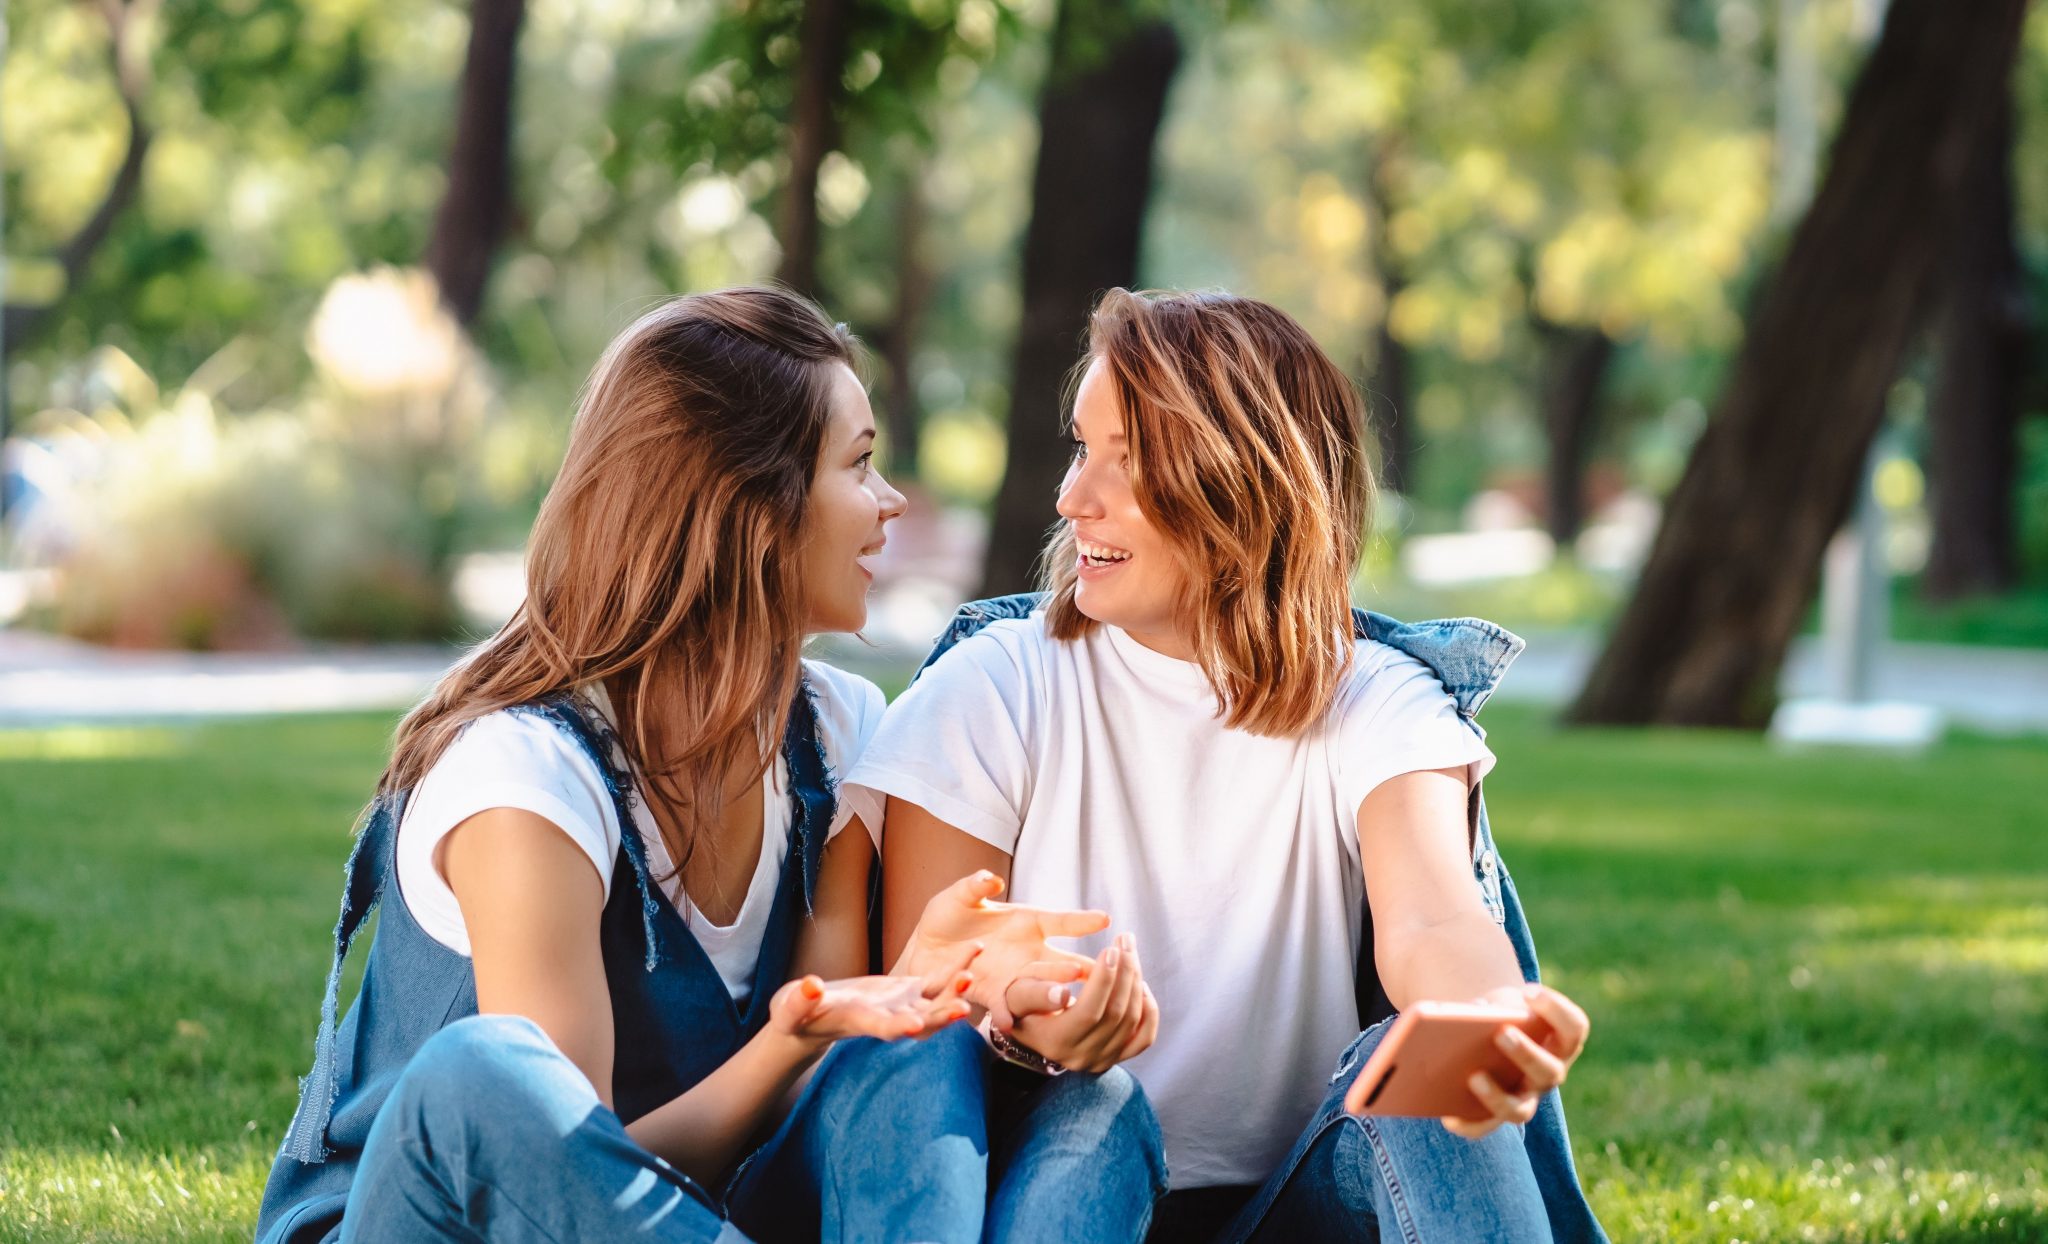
[
  {"x": 477, "y": 207},
  {"x": 813, "y": 134},
  {"x": 124, "y": 18},
  {"x": 1389, "y": 383},
  {"x": 1974, "y": 412},
  {"x": 915, "y": 283},
  {"x": 1576, "y": 361},
  {"x": 1099, "y": 115},
  {"x": 1736, "y": 559}
]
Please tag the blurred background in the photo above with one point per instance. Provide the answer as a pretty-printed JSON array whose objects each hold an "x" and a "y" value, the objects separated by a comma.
[
  {"x": 1703, "y": 344},
  {"x": 299, "y": 293}
]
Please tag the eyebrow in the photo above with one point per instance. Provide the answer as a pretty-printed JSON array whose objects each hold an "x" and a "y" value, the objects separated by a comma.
[{"x": 865, "y": 434}]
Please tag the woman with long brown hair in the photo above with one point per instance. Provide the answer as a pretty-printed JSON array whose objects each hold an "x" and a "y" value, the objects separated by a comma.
[
  {"x": 1193, "y": 729},
  {"x": 613, "y": 832}
]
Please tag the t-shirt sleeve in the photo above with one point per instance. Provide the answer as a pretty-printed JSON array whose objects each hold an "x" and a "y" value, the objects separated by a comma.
[
  {"x": 955, "y": 743},
  {"x": 499, "y": 761},
  {"x": 850, "y": 721},
  {"x": 1394, "y": 718}
]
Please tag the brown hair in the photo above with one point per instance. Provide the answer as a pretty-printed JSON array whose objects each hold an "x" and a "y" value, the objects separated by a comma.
[
  {"x": 1244, "y": 444},
  {"x": 664, "y": 560}
]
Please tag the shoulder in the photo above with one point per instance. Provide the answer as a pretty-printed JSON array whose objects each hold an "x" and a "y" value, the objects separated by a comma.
[
  {"x": 516, "y": 741},
  {"x": 848, "y": 705},
  {"x": 1387, "y": 687},
  {"x": 1003, "y": 650}
]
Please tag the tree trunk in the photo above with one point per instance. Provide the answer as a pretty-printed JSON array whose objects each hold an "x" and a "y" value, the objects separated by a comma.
[
  {"x": 1389, "y": 403},
  {"x": 901, "y": 415},
  {"x": 813, "y": 134},
  {"x": 132, "y": 79},
  {"x": 1735, "y": 562},
  {"x": 477, "y": 207},
  {"x": 1576, "y": 362},
  {"x": 1104, "y": 97},
  {"x": 1388, "y": 388},
  {"x": 1973, "y": 418}
]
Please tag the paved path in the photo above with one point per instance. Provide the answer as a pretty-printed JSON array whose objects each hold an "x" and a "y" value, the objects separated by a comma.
[
  {"x": 46, "y": 681},
  {"x": 2000, "y": 690}
]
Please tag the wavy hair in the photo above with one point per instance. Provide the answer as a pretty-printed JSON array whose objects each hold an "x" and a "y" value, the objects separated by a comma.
[
  {"x": 664, "y": 561},
  {"x": 1244, "y": 444}
]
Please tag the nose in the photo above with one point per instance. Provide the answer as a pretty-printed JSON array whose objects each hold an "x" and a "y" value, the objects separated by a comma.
[
  {"x": 894, "y": 504},
  {"x": 1077, "y": 497}
]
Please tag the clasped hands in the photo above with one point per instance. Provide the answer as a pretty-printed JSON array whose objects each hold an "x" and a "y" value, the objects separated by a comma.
[
  {"x": 1087, "y": 1014},
  {"x": 969, "y": 951}
]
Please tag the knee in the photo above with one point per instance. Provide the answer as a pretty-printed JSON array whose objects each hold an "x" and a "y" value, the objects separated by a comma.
[
  {"x": 1109, "y": 1111},
  {"x": 490, "y": 1073},
  {"x": 905, "y": 1074}
]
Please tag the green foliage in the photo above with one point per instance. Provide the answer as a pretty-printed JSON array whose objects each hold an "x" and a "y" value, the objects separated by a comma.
[
  {"x": 1819, "y": 1010},
  {"x": 188, "y": 524}
]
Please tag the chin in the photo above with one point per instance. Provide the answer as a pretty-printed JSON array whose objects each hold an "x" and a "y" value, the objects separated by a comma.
[{"x": 1092, "y": 608}]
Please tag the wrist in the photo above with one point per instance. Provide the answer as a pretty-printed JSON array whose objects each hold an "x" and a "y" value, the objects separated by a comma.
[
  {"x": 1516, "y": 995},
  {"x": 1015, "y": 1052},
  {"x": 792, "y": 1048}
]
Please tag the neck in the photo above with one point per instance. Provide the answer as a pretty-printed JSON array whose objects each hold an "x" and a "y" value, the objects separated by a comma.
[{"x": 1166, "y": 641}]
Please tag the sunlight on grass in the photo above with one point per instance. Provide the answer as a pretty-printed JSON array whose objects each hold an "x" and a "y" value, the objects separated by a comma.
[
  {"x": 89, "y": 743},
  {"x": 120, "y": 1193}
]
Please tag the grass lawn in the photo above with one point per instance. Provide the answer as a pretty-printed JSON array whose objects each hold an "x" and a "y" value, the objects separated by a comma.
[{"x": 1819, "y": 983}]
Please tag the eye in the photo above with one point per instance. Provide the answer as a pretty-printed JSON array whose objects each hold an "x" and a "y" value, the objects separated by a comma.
[
  {"x": 1076, "y": 446},
  {"x": 865, "y": 462}
]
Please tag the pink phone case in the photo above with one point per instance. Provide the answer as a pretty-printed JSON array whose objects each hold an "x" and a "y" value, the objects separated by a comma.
[{"x": 1422, "y": 1065}]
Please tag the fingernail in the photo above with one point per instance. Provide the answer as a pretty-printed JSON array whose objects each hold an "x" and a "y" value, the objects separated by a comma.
[
  {"x": 1109, "y": 957},
  {"x": 965, "y": 983},
  {"x": 1058, "y": 997},
  {"x": 813, "y": 990},
  {"x": 1477, "y": 1083},
  {"x": 1505, "y": 1039}
]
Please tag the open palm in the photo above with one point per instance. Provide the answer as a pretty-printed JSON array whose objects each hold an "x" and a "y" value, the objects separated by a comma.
[{"x": 874, "y": 1006}]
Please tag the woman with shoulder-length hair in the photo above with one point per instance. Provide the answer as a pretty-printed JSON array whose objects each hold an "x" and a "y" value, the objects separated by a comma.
[
  {"x": 1193, "y": 730},
  {"x": 611, "y": 836}
]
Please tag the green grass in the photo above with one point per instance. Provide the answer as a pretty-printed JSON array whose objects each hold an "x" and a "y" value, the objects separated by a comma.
[{"x": 1819, "y": 982}]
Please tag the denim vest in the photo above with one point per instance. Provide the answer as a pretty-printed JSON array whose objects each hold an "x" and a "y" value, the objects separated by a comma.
[
  {"x": 1469, "y": 657},
  {"x": 673, "y": 1020}
]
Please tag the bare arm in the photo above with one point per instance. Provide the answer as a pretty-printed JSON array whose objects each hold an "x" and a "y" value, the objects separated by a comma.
[
  {"x": 532, "y": 903},
  {"x": 1432, "y": 935},
  {"x": 834, "y": 941},
  {"x": 922, "y": 855},
  {"x": 1434, "y": 940}
]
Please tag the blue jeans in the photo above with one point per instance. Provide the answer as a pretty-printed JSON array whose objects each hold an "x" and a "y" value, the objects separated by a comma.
[
  {"x": 1369, "y": 1178},
  {"x": 492, "y": 1134},
  {"x": 939, "y": 1140}
]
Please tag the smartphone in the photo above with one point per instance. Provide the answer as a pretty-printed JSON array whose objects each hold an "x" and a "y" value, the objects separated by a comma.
[{"x": 1422, "y": 1064}]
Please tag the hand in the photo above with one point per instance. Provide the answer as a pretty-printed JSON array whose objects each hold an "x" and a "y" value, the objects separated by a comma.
[
  {"x": 888, "y": 1007},
  {"x": 1114, "y": 1016},
  {"x": 1544, "y": 1063},
  {"x": 1012, "y": 938}
]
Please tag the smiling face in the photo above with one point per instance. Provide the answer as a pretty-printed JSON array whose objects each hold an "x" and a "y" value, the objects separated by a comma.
[
  {"x": 850, "y": 505},
  {"x": 1128, "y": 574}
]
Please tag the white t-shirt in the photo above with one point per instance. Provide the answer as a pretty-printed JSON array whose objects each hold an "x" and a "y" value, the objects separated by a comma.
[
  {"x": 1101, "y": 766},
  {"x": 517, "y": 760}
]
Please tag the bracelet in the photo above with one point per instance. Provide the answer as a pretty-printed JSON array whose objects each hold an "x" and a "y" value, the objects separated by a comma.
[{"x": 1015, "y": 1052}]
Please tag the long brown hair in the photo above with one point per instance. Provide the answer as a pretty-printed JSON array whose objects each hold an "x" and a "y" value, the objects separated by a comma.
[
  {"x": 665, "y": 559},
  {"x": 1244, "y": 444}
]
